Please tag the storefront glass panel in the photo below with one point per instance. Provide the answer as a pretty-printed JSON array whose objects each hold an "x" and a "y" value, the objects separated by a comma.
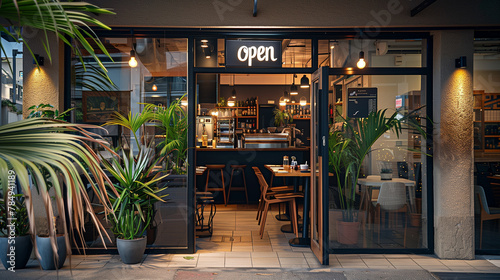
[
  {"x": 295, "y": 53},
  {"x": 376, "y": 53},
  {"x": 159, "y": 78},
  {"x": 487, "y": 143},
  {"x": 387, "y": 215}
]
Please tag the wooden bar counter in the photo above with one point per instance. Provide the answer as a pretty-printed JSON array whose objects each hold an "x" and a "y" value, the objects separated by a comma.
[{"x": 249, "y": 157}]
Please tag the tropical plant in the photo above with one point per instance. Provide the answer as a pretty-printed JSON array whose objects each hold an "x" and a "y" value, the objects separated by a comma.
[
  {"x": 136, "y": 184},
  {"x": 47, "y": 111},
  {"x": 12, "y": 106},
  {"x": 58, "y": 147},
  {"x": 348, "y": 149},
  {"x": 68, "y": 20},
  {"x": 282, "y": 118},
  {"x": 19, "y": 213},
  {"x": 133, "y": 122},
  {"x": 173, "y": 121}
]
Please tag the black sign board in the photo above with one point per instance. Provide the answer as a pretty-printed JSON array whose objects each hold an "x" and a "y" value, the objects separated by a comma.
[
  {"x": 253, "y": 54},
  {"x": 361, "y": 102}
]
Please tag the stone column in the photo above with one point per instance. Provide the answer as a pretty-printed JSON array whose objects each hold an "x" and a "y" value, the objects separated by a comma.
[
  {"x": 44, "y": 85},
  {"x": 453, "y": 145}
]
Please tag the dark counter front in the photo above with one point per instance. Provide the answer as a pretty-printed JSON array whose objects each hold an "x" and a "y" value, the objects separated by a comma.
[{"x": 249, "y": 157}]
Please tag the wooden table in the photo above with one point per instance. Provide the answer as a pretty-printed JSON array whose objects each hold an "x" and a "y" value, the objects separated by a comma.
[{"x": 279, "y": 171}]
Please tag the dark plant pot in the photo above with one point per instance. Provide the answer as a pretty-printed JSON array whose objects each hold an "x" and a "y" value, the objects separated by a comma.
[
  {"x": 47, "y": 259},
  {"x": 131, "y": 251},
  {"x": 347, "y": 232},
  {"x": 18, "y": 258},
  {"x": 386, "y": 176}
]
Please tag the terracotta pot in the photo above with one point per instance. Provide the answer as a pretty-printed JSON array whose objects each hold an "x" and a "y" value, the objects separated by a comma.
[
  {"x": 347, "y": 232},
  {"x": 415, "y": 220}
]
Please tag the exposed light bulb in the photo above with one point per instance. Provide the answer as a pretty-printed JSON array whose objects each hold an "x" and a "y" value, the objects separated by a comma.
[
  {"x": 361, "y": 62},
  {"x": 303, "y": 101},
  {"x": 132, "y": 62},
  {"x": 155, "y": 88}
]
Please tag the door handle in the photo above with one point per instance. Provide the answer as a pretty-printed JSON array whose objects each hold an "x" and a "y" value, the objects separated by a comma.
[{"x": 324, "y": 141}]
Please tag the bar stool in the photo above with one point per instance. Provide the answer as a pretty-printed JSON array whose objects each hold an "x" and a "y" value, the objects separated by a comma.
[
  {"x": 204, "y": 199},
  {"x": 237, "y": 168},
  {"x": 215, "y": 167}
]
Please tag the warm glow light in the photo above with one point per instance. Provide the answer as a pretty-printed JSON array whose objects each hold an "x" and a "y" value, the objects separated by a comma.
[
  {"x": 132, "y": 62},
  {"x": 282, "y": 101},
  {"x": 361, "y": 63},
  {"x": 207, "y": 56},
  {"x": 230, "y": 103},
  {"x": 155, "y": 88},
  {"x": 184, "y": 102},
  {"x": 303, "y": 101}
]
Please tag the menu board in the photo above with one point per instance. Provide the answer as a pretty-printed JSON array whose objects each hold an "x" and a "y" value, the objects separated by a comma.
[{"x": 361, "y": 102}]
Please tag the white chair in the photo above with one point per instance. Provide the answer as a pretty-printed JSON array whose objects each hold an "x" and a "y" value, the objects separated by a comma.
[
  {"x": 391, "y": 198},
  {"x": 486, "y": 212}
]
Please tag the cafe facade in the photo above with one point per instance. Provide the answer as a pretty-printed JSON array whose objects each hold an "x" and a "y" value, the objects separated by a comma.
[{"x": 233, "y": 65}]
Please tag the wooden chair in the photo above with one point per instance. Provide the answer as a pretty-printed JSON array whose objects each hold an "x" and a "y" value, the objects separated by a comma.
[
  {"x": 486, "y": 212},
  {"x": 277, "y": 198},
  {"x": 271, "y": 191},
  {"x": 392, "y": 199}
]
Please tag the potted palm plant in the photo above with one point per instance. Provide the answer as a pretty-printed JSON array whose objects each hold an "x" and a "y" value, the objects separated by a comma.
[
  {"x": 347, "y": 151},
  {"x": 282, "y": 118},
  {"x": 133, "y": 209},
  {"x": 15, "y": 241}
]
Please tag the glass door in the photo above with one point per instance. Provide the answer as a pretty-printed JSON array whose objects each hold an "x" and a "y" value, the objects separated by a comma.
[{"x": 319, "y": 165}]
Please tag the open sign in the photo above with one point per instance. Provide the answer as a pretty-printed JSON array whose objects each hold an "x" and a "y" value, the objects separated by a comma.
[{"x": 253, "y": 54}]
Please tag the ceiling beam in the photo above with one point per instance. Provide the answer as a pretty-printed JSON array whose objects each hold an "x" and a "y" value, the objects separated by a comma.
[{"x": 421, "y": 7}]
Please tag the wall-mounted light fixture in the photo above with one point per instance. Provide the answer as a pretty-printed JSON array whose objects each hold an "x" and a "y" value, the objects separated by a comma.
[
  {"x": 361, "y": 62},
  {"x": 293, "y": 88},
  {"x": 132, "y": 62},
  {"x": 40, "y": 59},
  {"x": 208, "y": 52},
  {"x": 461, "y": 62},
  {"x": 303, "y": 101},
  {"x": 304, "y": 82},
  {"x": 282, "y": 101},
  {"x": 155, "y": 88}
]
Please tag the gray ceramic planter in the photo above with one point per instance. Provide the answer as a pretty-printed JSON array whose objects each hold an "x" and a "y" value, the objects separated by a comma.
[
  {"x": 131, "y": 251},
  {"x": 19, "y": 257},
  {"x": 47, "y": 255}
]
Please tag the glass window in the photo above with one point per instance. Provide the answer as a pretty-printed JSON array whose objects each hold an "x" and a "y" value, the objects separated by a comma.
[
  {"x": 486, "y": 141},
  {"x": 12, "y": 84},
  {"x": 376, "y": 53},
  {"x": 387, "y": 216},
  {"x": 159, "y": 77}
]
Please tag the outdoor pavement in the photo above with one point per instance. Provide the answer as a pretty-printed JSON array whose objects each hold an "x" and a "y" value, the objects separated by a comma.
[{"x": 227, "y": 265}]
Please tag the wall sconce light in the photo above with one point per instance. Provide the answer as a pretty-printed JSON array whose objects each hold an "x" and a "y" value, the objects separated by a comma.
[
  {"x": 207, "y": 52},
  {"x": 303, "y": 101},
  {"x": 39, "y": 59},
  {"x": 282, "y": 101},
  {"x": 132, "y": 62},
  {"x": 293, "y": 88},
  {"x": 286, "y": 96},
  {"x": 304, "y": 82},
  {"x": 361, "y": 62},
  {"x": 155, "y": 88},
  {"x": 461, "y": 62},
  {"x": 204, "y": 43}
]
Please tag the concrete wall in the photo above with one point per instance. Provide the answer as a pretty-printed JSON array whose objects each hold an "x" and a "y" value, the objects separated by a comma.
[
  {"x": 368, "y": 15},
  {"x": 43, "y": 85},
  {"x": 453, "y": 150}
]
